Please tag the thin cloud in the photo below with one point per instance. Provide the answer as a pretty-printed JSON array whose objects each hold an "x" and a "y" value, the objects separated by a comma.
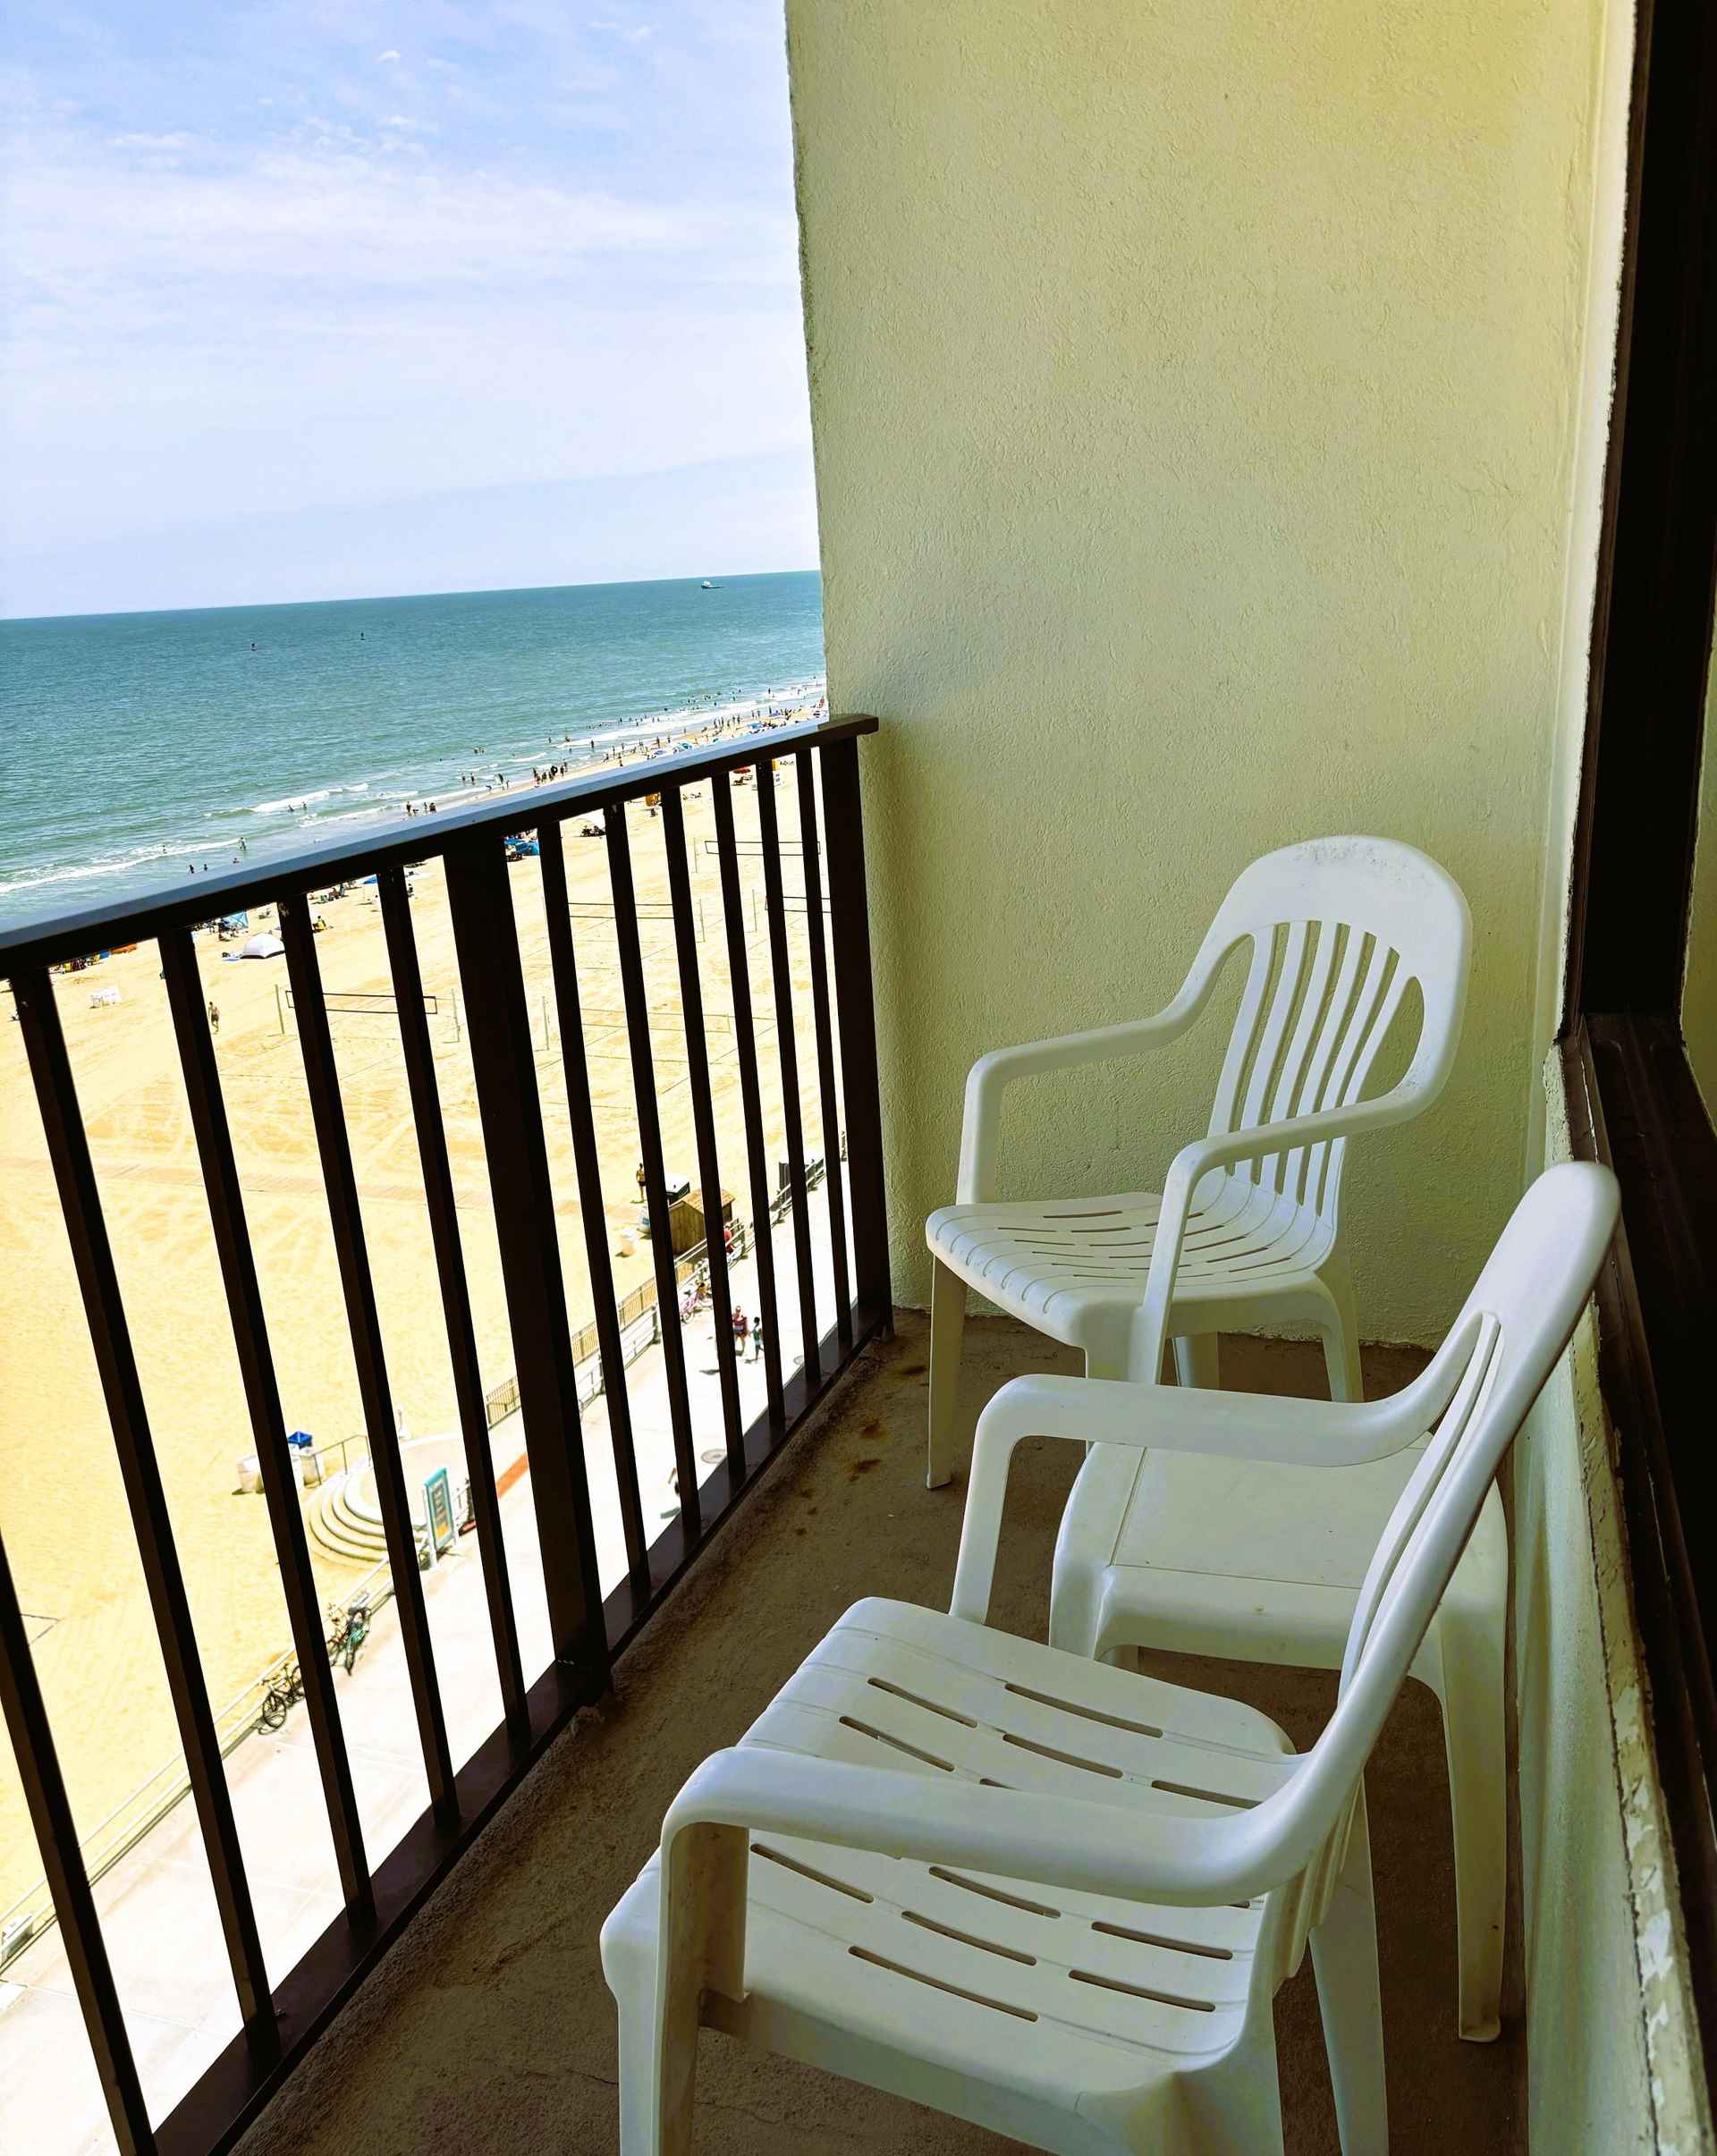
[
  {"x": 329, "y": 206},
  {"x": 263, "y": 267}
]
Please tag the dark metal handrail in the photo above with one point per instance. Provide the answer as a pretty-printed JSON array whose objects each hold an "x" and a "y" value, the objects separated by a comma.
[
  {"x": 589, "y": 1629},
  {"x": 74, "y": 935}
]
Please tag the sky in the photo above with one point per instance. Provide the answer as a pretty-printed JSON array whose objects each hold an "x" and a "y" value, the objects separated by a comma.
[{"x": 307, "y": 300}]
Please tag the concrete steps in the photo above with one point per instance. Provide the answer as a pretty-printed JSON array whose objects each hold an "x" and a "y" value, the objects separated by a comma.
[{"x": 339, "y": 1529}]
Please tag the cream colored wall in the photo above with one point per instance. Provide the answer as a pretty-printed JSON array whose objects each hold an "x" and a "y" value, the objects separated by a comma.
[
  {"x": 1195, "y": 392},
  {"x": 1699, "y": 983},
  {"x": 1608, "y": 204},
  {"x": 1612, "y": 2054}
]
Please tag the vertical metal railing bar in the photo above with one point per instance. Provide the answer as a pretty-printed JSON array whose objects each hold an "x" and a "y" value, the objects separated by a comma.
[
  {"x": 649, "y": 1138},
  {"x": 587, "y": 1166},
  {"x": 140, "y": 1469},
  {"x": 787, "y": 1049},
  {"x": 262, "y": 1398},
  {"x": 455, "y": 1292},
  {"x": 509, "y": 1108},
  {"x": 745, "y": 1041},
  {"x": 703, "y": 1118},
  {"x": 671, "y": 1553},
  {"x": 850, "y": 932},
  {"x": 56, "y": 1837},
  {"x": 340, "y": 1182},
  {"x": 827, "y": 1091}
]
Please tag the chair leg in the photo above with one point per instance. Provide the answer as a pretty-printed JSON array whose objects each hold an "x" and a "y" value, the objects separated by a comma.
[
  {"x": 1473, "y": 1729},
  {"x": 1197, "y": 1361},
  {"x": 947, "y": 1332},
  {"x": 1340, "y": 1331},
  {"x": 1344, "y": 1954},
  {"x": 631, "y": 1978},
  {"x": 702, "y": 1950}
]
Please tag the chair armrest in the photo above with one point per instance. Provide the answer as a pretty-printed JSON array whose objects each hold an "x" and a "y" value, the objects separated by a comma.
[
  {"x": 1079, "y": 1844},
  {"x": 1192, "y": 1162},
  {"x": 991, "y": 1074},
  {"x": 1231, "y": 1426}
]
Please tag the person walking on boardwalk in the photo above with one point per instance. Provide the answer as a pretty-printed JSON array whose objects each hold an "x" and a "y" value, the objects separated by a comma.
[
  {"x": 741, "y": 1327},
  {"x": 757, "y": 1335}
]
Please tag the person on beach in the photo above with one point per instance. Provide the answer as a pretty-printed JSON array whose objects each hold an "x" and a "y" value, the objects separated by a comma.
[
  {"x": 757, "y": 1335},
  {"x": 213, "y": 1017},
  {"x": 643, "y": 1183},
  {"x": 741, "y": 1328}
]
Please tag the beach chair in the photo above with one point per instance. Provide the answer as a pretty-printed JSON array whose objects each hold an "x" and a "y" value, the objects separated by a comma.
[
  {"x": 1056, "y": 1898},
  {"x": 1244, "y": 1231}
]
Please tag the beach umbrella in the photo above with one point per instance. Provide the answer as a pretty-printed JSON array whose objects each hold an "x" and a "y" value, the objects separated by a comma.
[{"x": 263, "y": 946}]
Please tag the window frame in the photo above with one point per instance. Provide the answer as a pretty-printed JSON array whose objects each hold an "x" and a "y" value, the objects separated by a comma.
[{"x": 1632, "y": 1096}]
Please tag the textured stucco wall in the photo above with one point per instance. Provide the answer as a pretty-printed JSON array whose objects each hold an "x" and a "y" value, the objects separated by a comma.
[
  {"x": 1608, "y": 198},
  {"x": 1612, "y": 2052},
  {"x": 1196, "y": 391}
]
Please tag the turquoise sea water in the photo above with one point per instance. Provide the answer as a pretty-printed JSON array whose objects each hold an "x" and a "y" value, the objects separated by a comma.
[{"x": 133, "y": 744}]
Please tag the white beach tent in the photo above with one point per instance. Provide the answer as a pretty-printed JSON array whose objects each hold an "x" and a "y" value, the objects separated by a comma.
[{"x": 263, "y": 947}]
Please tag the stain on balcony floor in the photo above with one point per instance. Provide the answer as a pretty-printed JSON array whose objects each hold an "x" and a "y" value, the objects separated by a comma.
[{"x": 490, "y": 2028}]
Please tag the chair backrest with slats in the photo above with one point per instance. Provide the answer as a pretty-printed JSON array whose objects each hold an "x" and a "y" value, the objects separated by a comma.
[
  {"x": 1340, "y": 928},
  {"x": 1488, "y": 1372}
]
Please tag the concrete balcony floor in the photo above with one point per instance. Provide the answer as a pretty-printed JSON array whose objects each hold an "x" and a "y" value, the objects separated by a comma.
[{"x": 490, "y": 2028}]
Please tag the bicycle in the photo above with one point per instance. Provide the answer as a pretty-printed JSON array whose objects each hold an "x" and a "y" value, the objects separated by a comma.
[
  {"x": 282, "y": 1699},
  {"x": 351, "y": 1630}
]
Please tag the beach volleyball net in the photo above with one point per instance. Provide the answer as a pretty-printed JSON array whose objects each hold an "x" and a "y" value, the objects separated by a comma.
[{"x": 362, "y": 1008}]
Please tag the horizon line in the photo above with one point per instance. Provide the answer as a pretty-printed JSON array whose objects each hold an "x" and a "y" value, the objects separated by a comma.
[{"x": 375, "y": 598}]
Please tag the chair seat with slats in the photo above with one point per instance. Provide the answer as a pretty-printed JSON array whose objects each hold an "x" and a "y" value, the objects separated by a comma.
[
  {"x": 1118, "y": 1996},
  {"x": 1076, "y": 1267}
]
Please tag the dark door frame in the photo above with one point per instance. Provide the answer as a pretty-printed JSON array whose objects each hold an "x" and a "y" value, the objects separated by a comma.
[{"x": 1632, "y": 1095}]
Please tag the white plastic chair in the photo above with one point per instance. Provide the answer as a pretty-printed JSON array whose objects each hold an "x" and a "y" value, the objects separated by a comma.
[
  {"x": 1056, "y": 1898},
  {"x": 1263, "y": 1563},
  {"x": 1245, "y": 1232}
]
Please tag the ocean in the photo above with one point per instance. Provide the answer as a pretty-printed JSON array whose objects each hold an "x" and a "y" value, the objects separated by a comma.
[{"x": 133, "y": 744}]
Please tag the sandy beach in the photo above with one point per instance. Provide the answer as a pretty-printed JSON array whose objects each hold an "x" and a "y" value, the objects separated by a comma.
[{"x": 67, "y": 1530}]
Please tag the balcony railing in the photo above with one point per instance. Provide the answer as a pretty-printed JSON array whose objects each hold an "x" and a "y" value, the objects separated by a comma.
[{"x": 590, "y": 1624}]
